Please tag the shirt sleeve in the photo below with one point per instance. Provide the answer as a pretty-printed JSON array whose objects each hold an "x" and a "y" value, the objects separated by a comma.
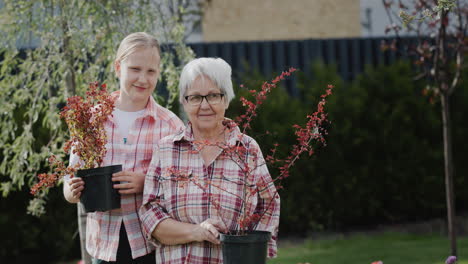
[
  {"x": 268, "y": 204},
  {"x": 152, "y": 212},
  {"x": 74, "y": 160}
]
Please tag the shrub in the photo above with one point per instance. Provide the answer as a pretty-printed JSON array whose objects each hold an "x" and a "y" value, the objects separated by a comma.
[{"x": 384, "y": 160}]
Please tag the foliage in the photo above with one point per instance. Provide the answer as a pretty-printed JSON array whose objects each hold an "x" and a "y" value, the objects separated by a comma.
[
  {"x": 382, "y": 160},
  {"x": 30, "y": 239},
  {"x": 440, "y": 27},
  {"x": 442, "y": 32},
  {"x": 382, "y": 165},
  {"x": 85, "y": 119},
  {"x": 76, "y": 42}
]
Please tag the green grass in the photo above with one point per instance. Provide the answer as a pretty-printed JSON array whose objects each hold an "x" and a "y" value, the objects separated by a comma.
[{"x": 391, "y": 248}]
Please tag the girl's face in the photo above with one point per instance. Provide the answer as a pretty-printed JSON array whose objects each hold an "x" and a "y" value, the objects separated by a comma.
[{"x": 138, "y": 75}]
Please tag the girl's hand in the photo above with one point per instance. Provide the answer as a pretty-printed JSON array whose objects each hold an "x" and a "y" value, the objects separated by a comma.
[
  {"x": 130, "y": 182},
  {"x": 76, "y": 187}
]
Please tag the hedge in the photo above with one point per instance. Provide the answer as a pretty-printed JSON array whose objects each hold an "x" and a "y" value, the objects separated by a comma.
[
  {"x": 383, "y": 162},
  {"x": 384, "y": 159}
]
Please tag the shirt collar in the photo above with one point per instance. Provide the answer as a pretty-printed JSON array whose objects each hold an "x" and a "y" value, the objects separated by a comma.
[
  {"x": 151, "y": 108},
  {"x": 234, "y": 133}
]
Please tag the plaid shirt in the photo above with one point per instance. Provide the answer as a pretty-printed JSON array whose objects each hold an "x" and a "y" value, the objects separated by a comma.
[
  {"x": 102, "y": 231},
  {"x": 164, "y": 197}
]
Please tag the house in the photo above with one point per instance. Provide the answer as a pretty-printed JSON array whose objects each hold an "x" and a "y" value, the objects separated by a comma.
[{"x": 248, "y": 20}]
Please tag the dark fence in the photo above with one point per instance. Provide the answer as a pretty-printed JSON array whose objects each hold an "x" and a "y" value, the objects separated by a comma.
[{"x": 350, "y": 55}]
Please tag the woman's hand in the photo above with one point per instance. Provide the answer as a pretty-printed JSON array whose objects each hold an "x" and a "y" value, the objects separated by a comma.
[
  {"x": 208, "y": 230},
  {"x": 76, "y": 185},
  {"x": 130, "y": 182},
  {"x": 173, "y": 232}
]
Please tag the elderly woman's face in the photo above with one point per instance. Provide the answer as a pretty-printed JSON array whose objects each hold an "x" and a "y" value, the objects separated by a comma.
[{"x": 209, "y": 113}]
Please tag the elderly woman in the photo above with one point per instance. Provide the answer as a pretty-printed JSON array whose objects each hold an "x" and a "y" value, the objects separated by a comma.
[{"x": 193, "y": 187}]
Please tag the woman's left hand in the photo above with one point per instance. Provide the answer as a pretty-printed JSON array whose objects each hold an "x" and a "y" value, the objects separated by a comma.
[
  {"x": 209, "y": 230},
  {"x": 130, "y": 182}
]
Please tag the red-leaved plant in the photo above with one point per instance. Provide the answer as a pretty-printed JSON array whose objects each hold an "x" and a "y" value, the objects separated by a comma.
[
  {"x": 312, "y": 131},
  {"x": 85, "y": 119}
]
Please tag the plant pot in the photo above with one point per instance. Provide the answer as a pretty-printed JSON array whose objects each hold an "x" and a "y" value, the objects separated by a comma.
[
  {"x": 250, "y": 248},
  {"x": 98, "y": 193}
]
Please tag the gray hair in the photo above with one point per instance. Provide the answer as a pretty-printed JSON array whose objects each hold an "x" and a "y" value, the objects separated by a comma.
[{"x": 216, "y": 69}]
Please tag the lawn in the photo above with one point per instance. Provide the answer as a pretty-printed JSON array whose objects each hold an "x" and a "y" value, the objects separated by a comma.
[{"x": 391, "y": 248}]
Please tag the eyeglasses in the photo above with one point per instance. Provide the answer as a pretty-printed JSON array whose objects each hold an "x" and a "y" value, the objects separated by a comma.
[{"x": 214, "y": 98}]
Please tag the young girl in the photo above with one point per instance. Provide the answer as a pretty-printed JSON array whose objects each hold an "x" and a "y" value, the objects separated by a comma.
[{"x": 135, "y": 127}]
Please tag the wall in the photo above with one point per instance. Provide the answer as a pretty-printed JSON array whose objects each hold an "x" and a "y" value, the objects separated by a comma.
[{"x": 227, "y": 20}]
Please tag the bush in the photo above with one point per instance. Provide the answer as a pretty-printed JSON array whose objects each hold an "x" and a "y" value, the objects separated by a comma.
[
  {"x": 383, "y": 162},
  {"x": 29, "y": 239},
  {"x": 384, "y": 159}
]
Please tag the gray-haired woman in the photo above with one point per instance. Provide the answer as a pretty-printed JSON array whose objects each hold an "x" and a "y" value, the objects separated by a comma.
[{"x": 182, "y": 220}]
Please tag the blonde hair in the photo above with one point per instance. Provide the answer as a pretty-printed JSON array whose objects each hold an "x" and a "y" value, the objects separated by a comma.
[{"x": 136, "y": 41}]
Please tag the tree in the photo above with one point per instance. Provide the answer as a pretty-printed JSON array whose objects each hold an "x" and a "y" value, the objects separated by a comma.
[
  {"x": 440, "y": 27},
  {"x": 70, "y": 43},
  {"x": 70, "y": 54}
]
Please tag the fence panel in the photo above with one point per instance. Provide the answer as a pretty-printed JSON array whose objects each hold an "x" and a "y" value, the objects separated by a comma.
[{"x": 350, "y": 55}]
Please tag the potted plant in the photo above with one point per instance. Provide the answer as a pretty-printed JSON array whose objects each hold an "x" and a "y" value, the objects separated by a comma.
[
  {"x": 246, "y": 244},
  {"x": 85, "y": 119}
]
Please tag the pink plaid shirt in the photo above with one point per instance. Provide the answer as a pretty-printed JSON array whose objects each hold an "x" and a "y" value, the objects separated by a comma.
[
  {"x": 184, "y": 201},
  {"x": 102, "y": 231}
]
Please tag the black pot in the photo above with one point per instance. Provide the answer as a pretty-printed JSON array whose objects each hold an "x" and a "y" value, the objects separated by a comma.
[
  {"x": 98, "y": 193},
  {"x": 250, "y": 248}
]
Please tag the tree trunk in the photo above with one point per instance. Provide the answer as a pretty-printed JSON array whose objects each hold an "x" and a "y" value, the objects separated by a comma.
[{"x": 448, "y": 169}]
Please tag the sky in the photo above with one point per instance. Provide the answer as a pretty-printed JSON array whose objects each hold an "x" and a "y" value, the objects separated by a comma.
[{"x": 378, "y": 17}]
